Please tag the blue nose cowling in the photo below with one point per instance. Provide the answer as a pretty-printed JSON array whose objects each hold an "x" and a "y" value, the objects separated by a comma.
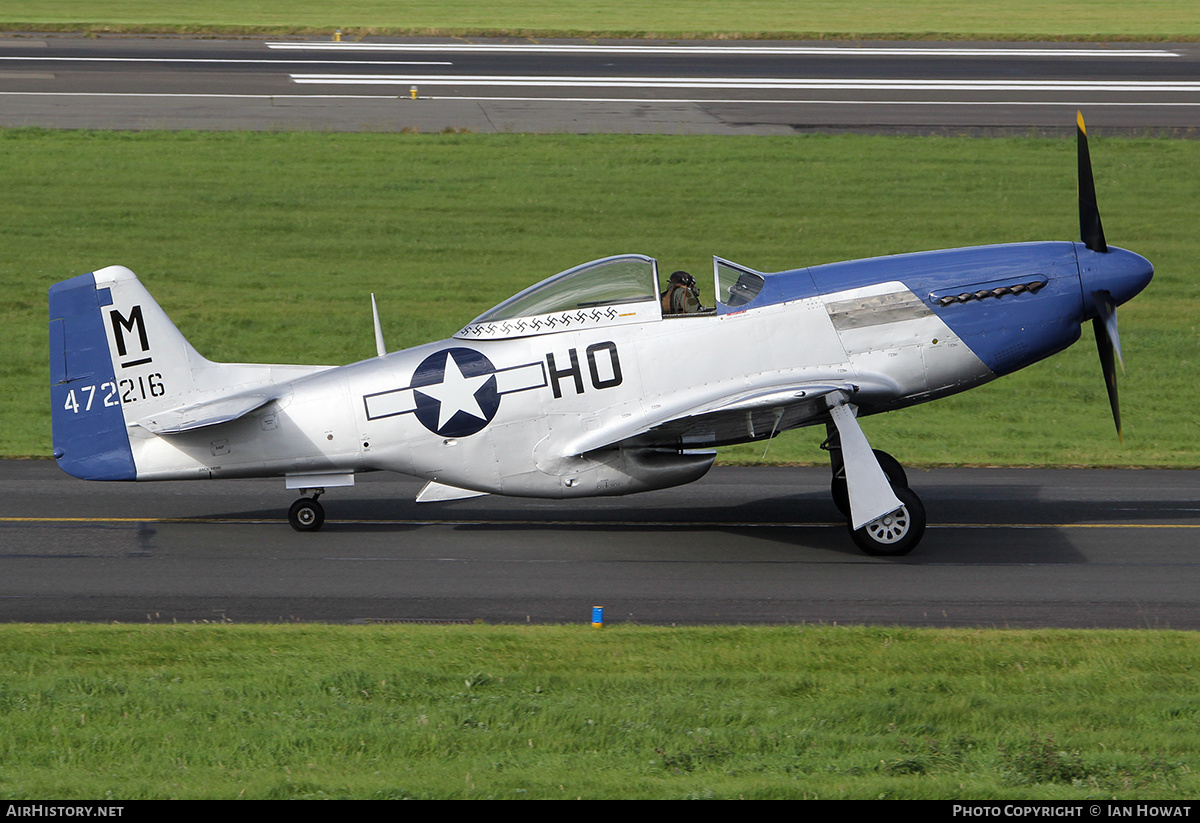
[{"x": 1120, "y": 273}]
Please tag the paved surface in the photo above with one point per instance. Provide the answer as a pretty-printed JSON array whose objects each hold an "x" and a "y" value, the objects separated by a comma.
[
  {"x": 1005, "y": 547},
  {"x": 1015, "y": 548},
  {"x": 619, "y": 87}
]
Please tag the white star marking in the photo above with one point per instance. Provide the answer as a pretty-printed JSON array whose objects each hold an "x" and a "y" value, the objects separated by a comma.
[{"x": 455, "y": 393}]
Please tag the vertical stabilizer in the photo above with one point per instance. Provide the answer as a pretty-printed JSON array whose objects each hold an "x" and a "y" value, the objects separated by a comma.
[{"x": 114, "y": 354}]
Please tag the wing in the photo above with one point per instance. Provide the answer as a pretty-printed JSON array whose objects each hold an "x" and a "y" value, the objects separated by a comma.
[
  {"x": 759, "y": 414},
  {"x": 737, "y": 418}
]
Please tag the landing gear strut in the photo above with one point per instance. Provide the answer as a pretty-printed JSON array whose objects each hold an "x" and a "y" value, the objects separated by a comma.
[
  {"x": 837, "y": 487},
  {"x": 306, "y": 514},
  {"x": 896, "y": 533}
]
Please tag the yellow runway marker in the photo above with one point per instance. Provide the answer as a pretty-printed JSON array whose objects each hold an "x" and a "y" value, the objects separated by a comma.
[{"x": 622, "y": 523}]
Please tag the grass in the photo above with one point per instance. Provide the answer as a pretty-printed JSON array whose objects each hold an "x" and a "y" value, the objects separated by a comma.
[
  {"x": 847, "y": 19},
  {"x": 265, "y": 247},
  {"x": 261, "y": 248},
  {"x": 415, "y": 711}
]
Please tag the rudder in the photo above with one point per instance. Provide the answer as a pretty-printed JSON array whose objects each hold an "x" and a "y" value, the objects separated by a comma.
[{"x": 114, "y": 356}]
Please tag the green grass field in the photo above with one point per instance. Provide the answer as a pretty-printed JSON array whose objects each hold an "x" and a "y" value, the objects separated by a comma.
[
  {"x": 904, "y": 19},
  {"x": 473, "y": 712},
  {"x": 265, "y": 247}
]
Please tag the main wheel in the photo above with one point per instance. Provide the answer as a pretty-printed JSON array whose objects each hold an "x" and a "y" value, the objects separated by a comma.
[
  {"x": 896, "y": 533},
  {"x": 306, "y": 515},
  {"x": 837, "y": 487}
]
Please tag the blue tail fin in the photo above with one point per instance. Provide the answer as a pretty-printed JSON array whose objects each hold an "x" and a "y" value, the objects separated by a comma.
[{"x": 90, "y": 440}]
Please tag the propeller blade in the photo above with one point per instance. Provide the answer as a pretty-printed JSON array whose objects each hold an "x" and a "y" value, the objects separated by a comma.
[
  {"x": 1090, "y": 230},
  {"x": 1107, "y": 348},
  {"x": 1106, "y": 310}
]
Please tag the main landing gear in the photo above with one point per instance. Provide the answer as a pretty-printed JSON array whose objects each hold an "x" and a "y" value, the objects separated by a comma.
[
  {"x": 306, "y": 514},
  {"x": 896, "y": 533}
]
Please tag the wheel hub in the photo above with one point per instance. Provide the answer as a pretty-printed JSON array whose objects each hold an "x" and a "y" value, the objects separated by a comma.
[{"x": 890, "y": 528}]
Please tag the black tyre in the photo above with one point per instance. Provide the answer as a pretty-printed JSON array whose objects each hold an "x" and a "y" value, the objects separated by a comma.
[
  {"x": 306, "y": 515},
  {"x": 837, "y": 487},
  {"x": 893, "y": 534}
]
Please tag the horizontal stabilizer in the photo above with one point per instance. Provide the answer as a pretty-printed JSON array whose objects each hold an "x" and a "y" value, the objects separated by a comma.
[{"x": 209, "y": 413}]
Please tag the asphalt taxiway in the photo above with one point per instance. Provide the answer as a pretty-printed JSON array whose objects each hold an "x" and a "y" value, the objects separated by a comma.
[
  {"x": 623, "y": 87},
  {"x": 1005, "y": 548}
]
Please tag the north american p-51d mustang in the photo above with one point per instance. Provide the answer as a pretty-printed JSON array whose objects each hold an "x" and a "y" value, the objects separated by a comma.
[{"x": 563, "y": 390}]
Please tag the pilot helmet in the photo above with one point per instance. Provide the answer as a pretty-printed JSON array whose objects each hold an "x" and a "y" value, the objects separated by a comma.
[{"x": 683, "y": 278}]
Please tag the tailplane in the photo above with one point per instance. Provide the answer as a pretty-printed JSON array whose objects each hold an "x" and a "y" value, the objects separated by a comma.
[{"x": 117, "y": 362}]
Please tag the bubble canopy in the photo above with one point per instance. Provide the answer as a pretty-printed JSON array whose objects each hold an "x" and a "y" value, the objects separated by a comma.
[
  {"x": 611, "y": 281},
  {"x": 612, "y": 291}
]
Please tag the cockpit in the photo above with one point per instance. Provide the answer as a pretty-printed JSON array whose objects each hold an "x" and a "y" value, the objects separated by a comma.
[{"x": 612, "y": 291}]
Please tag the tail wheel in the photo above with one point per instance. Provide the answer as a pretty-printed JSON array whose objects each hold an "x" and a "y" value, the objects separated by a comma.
[
  {"x": 896, "y": 533},
  {"x": 837, "y": 487},
  {"x": 306, "y": 515}
]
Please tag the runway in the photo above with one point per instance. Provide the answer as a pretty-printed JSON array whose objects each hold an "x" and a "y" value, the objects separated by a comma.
[
  {"x": 1005, "y": 548},
  {"x": 616, "y": 87}
]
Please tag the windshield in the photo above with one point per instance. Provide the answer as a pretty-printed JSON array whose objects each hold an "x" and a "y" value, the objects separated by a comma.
[{"x": 736, "y": 285}]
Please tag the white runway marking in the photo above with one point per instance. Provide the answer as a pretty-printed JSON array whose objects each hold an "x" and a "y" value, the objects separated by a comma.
[
  {"x": 629, "y": 100},
  {"x": 717, "y": 50},
  {"x": 759, "y": 83},
  {"x": 815, "y": 102},
  {"x": 224, "y": 61}
]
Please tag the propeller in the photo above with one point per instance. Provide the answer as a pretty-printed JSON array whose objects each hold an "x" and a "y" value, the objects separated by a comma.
[
  {"x": 1091, "y": 232},
  {"x": 1108, "y": 344}
]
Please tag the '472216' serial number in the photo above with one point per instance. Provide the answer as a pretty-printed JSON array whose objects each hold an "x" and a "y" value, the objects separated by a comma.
[{"x": 114, "y": 393}]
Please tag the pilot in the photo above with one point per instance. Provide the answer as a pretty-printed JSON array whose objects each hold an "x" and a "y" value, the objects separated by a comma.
[{"x": 681, "y": 296}]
